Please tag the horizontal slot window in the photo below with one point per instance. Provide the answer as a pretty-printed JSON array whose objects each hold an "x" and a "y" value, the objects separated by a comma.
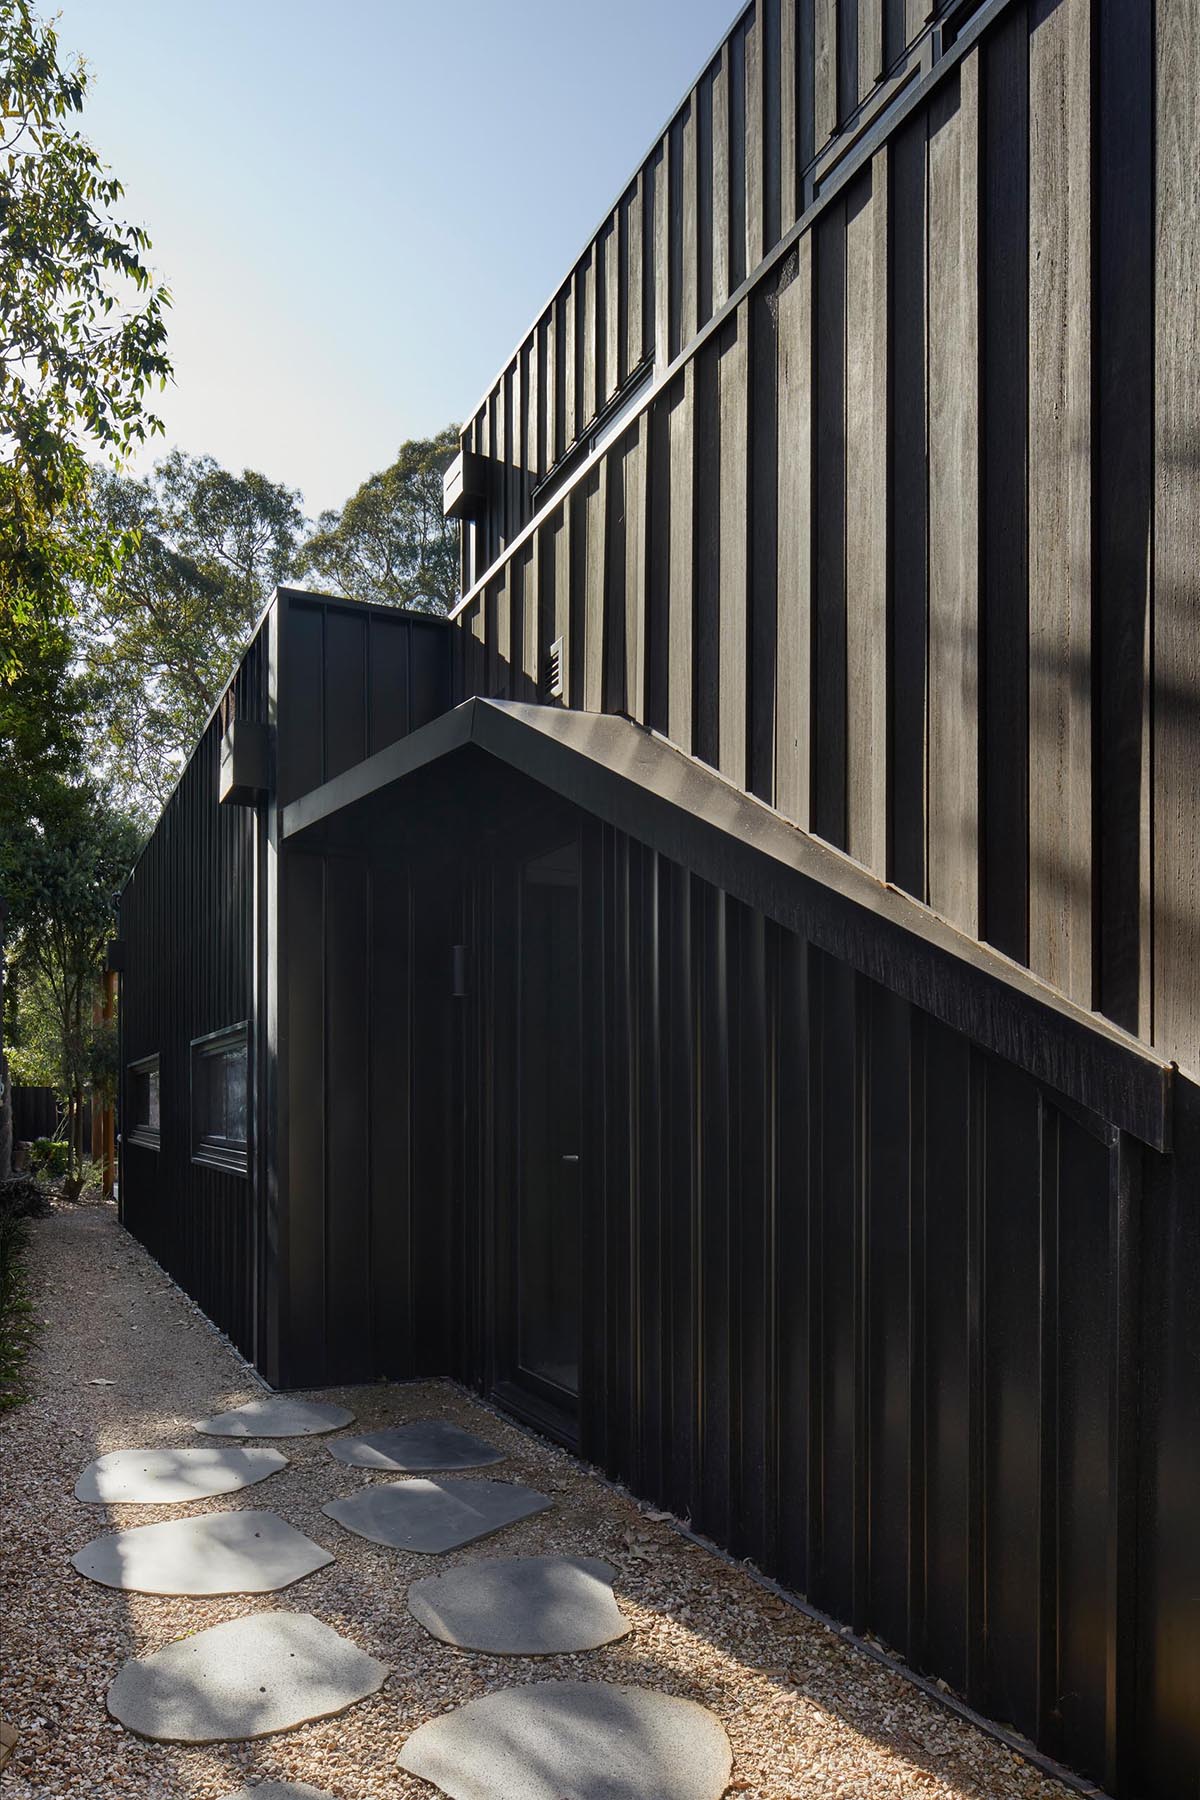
[
  {"x": 602, "y": 430},
  {"x": 221, "y": 1099},
  {"x": 142, "y": 1102}
]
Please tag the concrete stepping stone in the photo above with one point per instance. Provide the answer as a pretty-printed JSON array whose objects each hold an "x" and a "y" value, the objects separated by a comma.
[
  {"x": 277, "y": 1416},
  {"x": 160, "y": 1477},
  {"x": 425, "y": 1444},
  {"x": 280, "y": 1790},
  {"x": 218, "y": 1553},
  {"x": 588, "y": 1739},
  {"x": 432, "y": 1516},
  {"x": 522, "y": 1605},
  {"x": 267, "y": 1672}
]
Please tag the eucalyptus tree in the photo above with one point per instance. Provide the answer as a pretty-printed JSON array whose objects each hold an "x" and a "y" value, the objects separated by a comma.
[
  {"x": 82, "y": 339},
  {"x": 82, "y": 342},
  {"x": 161, "y": 639},
  {"x": 62, "y": 875},
  {"x": 390, "y": 542}
]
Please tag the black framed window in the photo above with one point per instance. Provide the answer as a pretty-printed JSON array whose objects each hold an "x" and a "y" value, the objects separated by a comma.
[
  {"x": 142, "y": 1102},
  {"x": 221, "y": 1098}
]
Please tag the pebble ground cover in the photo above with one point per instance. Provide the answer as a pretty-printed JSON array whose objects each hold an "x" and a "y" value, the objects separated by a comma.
[{"x": 806, "y": 1714}]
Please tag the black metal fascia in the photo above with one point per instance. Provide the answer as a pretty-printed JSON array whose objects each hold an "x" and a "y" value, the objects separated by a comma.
[{"x": 641, "y": 784}]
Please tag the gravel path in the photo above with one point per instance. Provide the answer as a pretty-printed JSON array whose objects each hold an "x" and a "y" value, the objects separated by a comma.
[{"x": 806, "y": 1713}]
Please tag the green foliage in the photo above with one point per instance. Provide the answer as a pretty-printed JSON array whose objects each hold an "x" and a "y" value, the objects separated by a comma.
[
  {"x": 48, "y": 1156},
  {"x": 31, "y": 1031},
  {"x": 61, "y": 880},
  {"x": 103, "y": 1061},
  {"x": 40, "y": 740},
  {"x": 163, "y": 637},
  {"x": 82, "y": 339},
  {"x": 16, "y": 1311},
  {"x": 390, "y": 542}
]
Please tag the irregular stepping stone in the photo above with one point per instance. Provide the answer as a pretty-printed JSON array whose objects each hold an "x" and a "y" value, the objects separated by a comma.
[
  {"x": 522, "y": 1605},
  {"x": 280, "y": 1790},
  {"x": 219, "y": 1553},
  {"x": 267, "y": 1672},
  {"x": 427, "y": 1444},
  {"x": 432, "y": 1516},
  {"x": 159, "y": 1477},
  {"x": 587, "y": 1739},
  {"x": 277, "y": 1417}
]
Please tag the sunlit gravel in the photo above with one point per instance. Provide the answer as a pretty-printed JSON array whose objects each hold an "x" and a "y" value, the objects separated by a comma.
[{"x": 807, "y": 1714}]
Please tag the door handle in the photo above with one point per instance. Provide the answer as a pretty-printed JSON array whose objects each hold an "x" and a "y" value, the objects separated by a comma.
[{"x": 571, "y": 1159}]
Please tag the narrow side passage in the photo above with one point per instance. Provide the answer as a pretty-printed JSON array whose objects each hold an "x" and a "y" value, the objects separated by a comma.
[{"x": 802, "y": 1709}]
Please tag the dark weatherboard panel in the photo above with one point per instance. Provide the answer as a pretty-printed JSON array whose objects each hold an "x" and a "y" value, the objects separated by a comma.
[
  {"x": 352, "y": 679},
  {"x": 208, "y": 917},
  {"x": 367, "y": 1072},
  {"x": 793, "y": 86},
  {"x": 188, "y": 922},
  {"x": 903, "y": 536},
  {"x": 868, "y": 1305}
]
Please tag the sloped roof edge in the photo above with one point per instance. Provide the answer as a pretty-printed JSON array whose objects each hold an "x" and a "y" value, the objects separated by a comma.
[{"x": 638, "y": 782}]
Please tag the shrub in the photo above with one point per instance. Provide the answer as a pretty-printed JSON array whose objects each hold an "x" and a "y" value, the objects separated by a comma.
[
  {"x": 48, "y": 1156},
  {"x": 22, "y": 1197},
  {"x": 16, "y": 1313}
]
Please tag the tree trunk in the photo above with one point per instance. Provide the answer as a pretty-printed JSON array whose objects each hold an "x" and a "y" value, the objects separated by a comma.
[
  {"x": 6, "y": 1120},
  {"x": 6, "y": 1110},
  {"x": 73, "y": 1184},
  {"x": 96, "y": 1123},
  {"x": 110, "y": 1111}
]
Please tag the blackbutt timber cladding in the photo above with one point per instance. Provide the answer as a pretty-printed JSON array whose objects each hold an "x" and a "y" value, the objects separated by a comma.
[
  {"x": 370, "y": 1097},
  {"x": 873, "y": 1308},
  {"x": 353, "y": 678},
  {"x": 218, "y": 929},
  {"x": 358, "y": 1082},
  {"x": 905, "y": 538},
  {"x": 188, "y": 915},
  {"x": 757, "y": 137}
]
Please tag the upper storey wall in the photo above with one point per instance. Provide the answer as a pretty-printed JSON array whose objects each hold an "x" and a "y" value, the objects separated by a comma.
[
  {"x": 752, "y": 144},
  {"x": 352, "y": 679},
  {"x": 906, "y": 540}
]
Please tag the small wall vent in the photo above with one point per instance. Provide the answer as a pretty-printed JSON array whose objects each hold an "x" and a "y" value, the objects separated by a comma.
[{"x": 552, "y": 677}]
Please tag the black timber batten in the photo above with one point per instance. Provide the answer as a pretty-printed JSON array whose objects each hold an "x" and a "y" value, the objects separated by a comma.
[
  {"x": 631, "y": 778},
  {"x": 895, "y": 535}
]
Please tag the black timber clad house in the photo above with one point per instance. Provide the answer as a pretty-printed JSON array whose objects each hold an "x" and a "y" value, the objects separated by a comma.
[{"x": 732, "y": 993}]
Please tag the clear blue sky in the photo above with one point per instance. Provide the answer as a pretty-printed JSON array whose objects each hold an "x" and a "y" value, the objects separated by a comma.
[{"x": 360, "y": 208}]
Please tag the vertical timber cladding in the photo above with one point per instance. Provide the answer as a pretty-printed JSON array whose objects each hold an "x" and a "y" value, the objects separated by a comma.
[
  {"x": 904, "y": 540},
  {"x": 368, "y": 1091},
  {"x": 866, "y": 1315},
  {"x": 720, "y": 187},
  {"x": 1169, "y": 1663},
  {"x": 188, "y": 919},
  {"x": 353, "y": 678},
  {"x": 363, "y": 1072}
]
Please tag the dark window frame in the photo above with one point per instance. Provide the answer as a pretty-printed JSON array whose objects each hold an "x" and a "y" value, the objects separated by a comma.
[
  {"x": 602, "y": 429},
  {"x": 141, "y": 1131},
  {"x": 210, "y": 1148}
]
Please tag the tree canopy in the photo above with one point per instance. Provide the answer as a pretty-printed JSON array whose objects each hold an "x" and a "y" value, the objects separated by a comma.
[
  {"x": 125, "y": 602},
  {"x": 82, "y": 338},
  {"x": 62, "y": 877},
  {"x": 390, "y": 543},
  {"x": 161, "y": 638}
]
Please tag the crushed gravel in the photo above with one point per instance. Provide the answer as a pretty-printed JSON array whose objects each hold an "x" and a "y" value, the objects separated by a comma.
[{"x": 807, "y": 1714}]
